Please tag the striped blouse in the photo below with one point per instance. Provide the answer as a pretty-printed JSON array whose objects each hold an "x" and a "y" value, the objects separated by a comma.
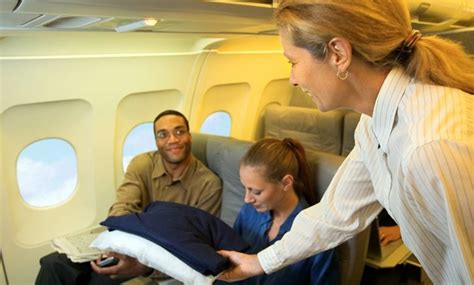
[{"x": 414, "y": 157}]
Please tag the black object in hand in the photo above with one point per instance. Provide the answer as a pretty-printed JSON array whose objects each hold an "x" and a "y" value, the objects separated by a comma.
[{"x": 108, "y": 261}]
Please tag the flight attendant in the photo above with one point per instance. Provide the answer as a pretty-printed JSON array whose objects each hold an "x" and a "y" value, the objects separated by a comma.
[{"x": 414, "y": 150}]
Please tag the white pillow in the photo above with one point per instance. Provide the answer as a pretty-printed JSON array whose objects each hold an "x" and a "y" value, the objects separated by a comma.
[{"x": 151, "y": 255}]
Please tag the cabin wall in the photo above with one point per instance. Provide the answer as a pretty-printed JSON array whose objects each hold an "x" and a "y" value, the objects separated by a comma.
[{"x": 91, "y": 89}]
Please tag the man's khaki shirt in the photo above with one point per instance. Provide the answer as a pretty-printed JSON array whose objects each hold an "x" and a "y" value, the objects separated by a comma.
[{"x": 146, "y": 181}]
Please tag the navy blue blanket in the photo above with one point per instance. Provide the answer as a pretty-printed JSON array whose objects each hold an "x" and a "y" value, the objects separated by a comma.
[{"x": 189, "y": 233}]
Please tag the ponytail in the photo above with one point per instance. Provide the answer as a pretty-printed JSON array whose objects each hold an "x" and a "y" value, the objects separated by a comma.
[
  {"x": 279, "y": 158},
  {"x": 304, "y": 183},
  {"x": 441, "y": 62}
]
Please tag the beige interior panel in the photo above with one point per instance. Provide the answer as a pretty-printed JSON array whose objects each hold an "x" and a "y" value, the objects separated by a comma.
[
  {"x": 68, "y": 120},
  {"x": 226, "y": 98},
  {"x": 232, "y": 63},
  {"x": 27, "y": 229}
]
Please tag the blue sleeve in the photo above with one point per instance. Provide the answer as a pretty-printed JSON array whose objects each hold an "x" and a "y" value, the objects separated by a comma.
[{"x": 324, "y": 269}]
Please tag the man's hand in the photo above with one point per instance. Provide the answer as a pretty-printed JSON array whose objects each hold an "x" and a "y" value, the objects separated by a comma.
[
  {"x": 125, "y": 268},
  {"x": 389, "y": 234},
  {"x": 243, "y": 266}
]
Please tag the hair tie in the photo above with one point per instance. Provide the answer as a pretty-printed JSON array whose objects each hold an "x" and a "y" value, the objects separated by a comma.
[
  {"x": 411, "y": 40},
  {"x": 288, "y": 142},
  {"x": 406, "y": 47}
]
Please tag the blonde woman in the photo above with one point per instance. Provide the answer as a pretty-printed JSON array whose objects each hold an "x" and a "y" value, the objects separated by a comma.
[{"x": 414, "y": 151}]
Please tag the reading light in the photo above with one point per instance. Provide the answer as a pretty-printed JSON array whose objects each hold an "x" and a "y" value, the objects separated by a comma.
[{"x": 147, "y": 22}]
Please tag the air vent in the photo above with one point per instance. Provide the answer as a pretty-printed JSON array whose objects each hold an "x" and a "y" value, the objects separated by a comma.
[
  {"x": 72, "y": 22},
  {"x": 258, "y": 3}
]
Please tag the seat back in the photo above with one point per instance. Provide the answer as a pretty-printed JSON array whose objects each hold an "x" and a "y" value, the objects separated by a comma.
[{"x": 314, "y": 129}]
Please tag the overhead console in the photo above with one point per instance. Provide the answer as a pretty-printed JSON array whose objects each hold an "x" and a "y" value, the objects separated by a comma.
[
  {"x": 194, "y": 16},
  {"x": 172, "y": 16}
]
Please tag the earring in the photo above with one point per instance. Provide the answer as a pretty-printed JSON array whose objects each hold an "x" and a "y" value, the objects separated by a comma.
[
  {"x": 342, "y": 75},
  {"x": 306, "y": 92}
]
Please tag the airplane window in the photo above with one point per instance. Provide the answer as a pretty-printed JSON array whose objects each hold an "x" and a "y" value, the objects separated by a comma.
[
  {"x": 139, "y": 139},
  {"x": 47, "y": 172},
  {"x": 217, "y": 123}
]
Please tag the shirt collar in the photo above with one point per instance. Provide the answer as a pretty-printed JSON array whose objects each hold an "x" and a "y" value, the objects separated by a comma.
[
  {"x": 266, "y": 221},
  {"x": 386, "y": 105},
  {"x": 286, "y": 226},
  {"x": 267, "y": 216},
  {"x": 159, "y": 169}
]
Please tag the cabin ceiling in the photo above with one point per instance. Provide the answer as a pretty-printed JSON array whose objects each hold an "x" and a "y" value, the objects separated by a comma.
[
  {"x": 188, "y": 16},
  {"x": 196, "y": 16}
]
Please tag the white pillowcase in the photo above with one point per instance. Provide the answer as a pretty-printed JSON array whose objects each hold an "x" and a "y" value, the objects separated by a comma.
[{"x": 151, "y": 255}]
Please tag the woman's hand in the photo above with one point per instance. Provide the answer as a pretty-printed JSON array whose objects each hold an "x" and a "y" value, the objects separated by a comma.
[
  {"x": 389, "y": 234},
  {"x": 243, "y": 266},
  {"x": 126, "y": 267}
]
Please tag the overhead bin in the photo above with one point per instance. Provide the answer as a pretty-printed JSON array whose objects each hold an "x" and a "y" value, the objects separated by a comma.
[
  {"x": 166, "y": 9},
  {"x": 197, "y": 16}
]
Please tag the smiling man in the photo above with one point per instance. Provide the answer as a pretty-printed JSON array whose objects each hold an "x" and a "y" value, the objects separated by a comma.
[{"x": 169, "y": 174}]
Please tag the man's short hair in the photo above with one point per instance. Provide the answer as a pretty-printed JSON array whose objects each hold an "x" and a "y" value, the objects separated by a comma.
[{"x": 167, "y": 113}]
